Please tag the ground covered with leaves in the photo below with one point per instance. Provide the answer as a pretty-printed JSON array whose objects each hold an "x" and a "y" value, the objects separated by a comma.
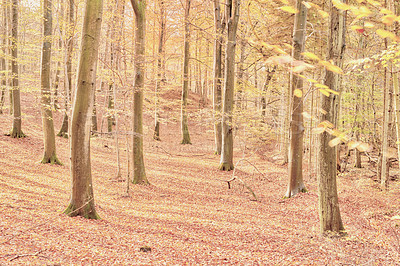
[{"x": 188, "y": 215}]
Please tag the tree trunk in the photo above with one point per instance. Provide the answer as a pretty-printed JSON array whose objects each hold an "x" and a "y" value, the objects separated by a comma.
[
  {"x": 217, "y": 83},
  {"x": 160, "y": 71},
  {"x": 16, "y": 131},
  {"x": 47, "y": 114},
  {"x": 329, "y": 213},
  {"x": 68, "y": 69},
  {"x": 232, "y": 17},
  {"x": 82, "y": 197},
  {"x": 296, "y": 184},
  {"x": 139, "y": 175},
  {"x": 185, "y": 87},
  {"x": 3, "y": 62}
]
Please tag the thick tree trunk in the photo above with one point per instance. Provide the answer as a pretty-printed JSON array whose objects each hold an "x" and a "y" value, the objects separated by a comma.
[
  {"x": 185, "y": 86},
  {"x": 329, "y": 213},
  {"x": 16, "y": 131},
  {"x": 82, "y": 197},
  {"x": 296, "y": 184},
  {"x": 139, "y": 174},
  {"x": 232, "y": 17},
  {"x": 47, "y": 114}
]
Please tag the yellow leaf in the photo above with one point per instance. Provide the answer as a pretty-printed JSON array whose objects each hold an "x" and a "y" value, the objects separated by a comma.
[
  {"x": 386, "y": 11},
  {"x": 326, "y": 124},
  {"x": 318, "y": 130},
  {"x": 329, "y": 66},
  {"x": 324, "y": 92},
  {"x": 318, "y": 85},
  {"x": 306, "y": 115},
  {"x": 361, "y": 12},
  {"x": 353, "y": 144},
  {"x": 279, "y": 60},
  {"x": 306, "y": 4},
  {"x": 369, "y": 25},
  {"x": 311, "y": 56},
  {"x": 332, "y": 91},
  {"x": 363, "y": 147},
  {"x": 312, "y": 80},
  {"x": 299, "y": 69},
  {"x": 298, "y": 93},
  {"x": 288, "y": 46},
  {"x": 340, "y": 5},
  {"x": 387, "y": 34},
  {"x": 335, "y": 142},
  {"x": 278, "y": 49},
  {"x": 323, "y": 14},
  {"x": 289, "y": 9},
  {"x": 374, "y": 3},
  {"x": 322, "y": 111},
  {"x": 356, "y": 28},
  {"x": 286, "y": 2},
  {"x": 389, "y": 19}
]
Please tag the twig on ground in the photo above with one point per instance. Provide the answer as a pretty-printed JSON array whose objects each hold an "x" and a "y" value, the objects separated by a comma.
[
  {"x": 240, "y": 180},
  {"x": 27, "y": 255}
]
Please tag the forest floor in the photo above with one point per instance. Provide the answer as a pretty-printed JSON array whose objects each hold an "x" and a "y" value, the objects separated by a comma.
[{"x": 188, "y": 215}]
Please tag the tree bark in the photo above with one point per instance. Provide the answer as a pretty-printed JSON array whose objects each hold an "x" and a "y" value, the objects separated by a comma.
[
  {"x": 160, "y": 71},
  {"x": 68, "y": 69},
  {"x": 296, "y": 184},
  {"x": 329, "y": 213},
  {"x": 185, "y": 86},
  {"x": 3, "y": 62},
  {"x": 47, "y": 114},
  {"x": 217, "y": 83},
  {"x": 16, "y": 131},
  {"x": 232, "y": 17},
  {"x": 139, "y": 174},
  {"x": 82, "y": 197}
]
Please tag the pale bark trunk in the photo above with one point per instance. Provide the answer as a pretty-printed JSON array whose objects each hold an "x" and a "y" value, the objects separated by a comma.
[
  {"x": 384, "y": 173},
  {"x": 329, "y": 213},
  {"x": 82, "y": 197},
  {"x": 47, "y": 114},
  {"x": 185, "y": 86},
  {"x": 16, "y": 131},
  {"x": 68, "y": 70},
  {"x": 232, "y": 17},
  {"x": 160, "y": 71},
  {"x": 3, "y": 61},
  {"x": 139, "y": 174},
  {"x": 217, "y": 83},
  {"x": 296, "y": 184}
]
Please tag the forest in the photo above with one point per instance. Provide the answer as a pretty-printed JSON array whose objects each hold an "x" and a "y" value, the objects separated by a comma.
[{"x": 207, "y": 132}]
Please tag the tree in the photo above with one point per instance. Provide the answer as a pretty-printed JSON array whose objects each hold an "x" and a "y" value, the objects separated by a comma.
[
  {"x": 16, "y": 131},
  {"x": 185, "y": 86},
  {"x": 68, "y": 68},
  {"x": 296, "y": 184},
  {"x": 82, "y": 197},
  {"x": 47, "y": 114},
  {"x": 217, "y": 83},
  {"x": 160, "y": 69},
  {"x": 3, "y": 63},
  {"x": 139, "y": 174},
  {"x": 329, "y": 213},
  {"x": 232, "y": 18}
]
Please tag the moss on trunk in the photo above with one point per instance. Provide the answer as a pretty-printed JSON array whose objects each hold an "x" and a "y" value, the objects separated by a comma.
[{"x": 226, "y": 167}]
